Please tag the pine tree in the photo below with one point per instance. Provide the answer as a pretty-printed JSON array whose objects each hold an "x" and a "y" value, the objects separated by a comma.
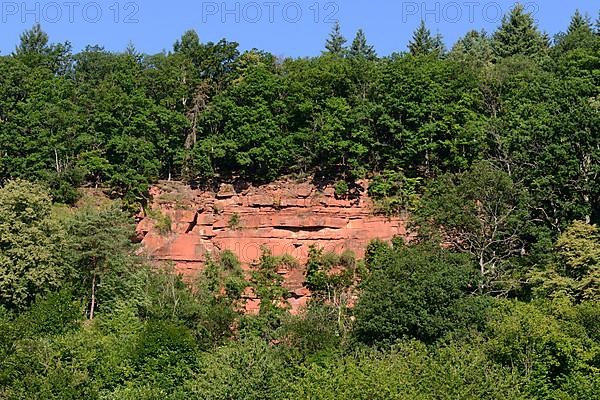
[
  {"x": 422, "y": 42},
  {"x": 518, "y": 35},
  {"x": 475, "y": 47},
  {"x": 336, "y": 41},
  {"x": 597, "y": 25},
  {"x": 438, "y": 46},
  {"x": 580, "y": 34},
  {"x": 100, "y": 240},
  {"x": 35, "y": 50},
  {"x": 361, "y": 48},
  {"x": 579, "y": 22},
  {"x": 33, "y": 41}
]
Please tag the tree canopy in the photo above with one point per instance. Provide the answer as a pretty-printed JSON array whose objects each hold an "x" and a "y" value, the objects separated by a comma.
[{"x": 490, "y": 152}]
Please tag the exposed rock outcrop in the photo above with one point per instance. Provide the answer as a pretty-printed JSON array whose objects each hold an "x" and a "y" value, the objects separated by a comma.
[{"x": 286, "y": 217}]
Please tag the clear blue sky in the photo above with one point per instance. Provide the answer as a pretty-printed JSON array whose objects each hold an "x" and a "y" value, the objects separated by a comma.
[{"x": 285, "y": 28}]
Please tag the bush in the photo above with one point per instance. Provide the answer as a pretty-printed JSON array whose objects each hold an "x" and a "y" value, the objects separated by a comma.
[
  {"x": 341, "y": 189},
  {"x": 542, "y": 348},
  {"x": 314, "y": 332},
  {"x": 249, "y": 369},
  {"x": 235, "y": 222},
  {"x": 165, "y": 354},
  {"x": 414, "y": 291},
  {"x": 54, "y": 314},
  {"x": 409, "y": 371},
  {"x": 163, "y": 222},
  {"x": 393, "y": 192}
]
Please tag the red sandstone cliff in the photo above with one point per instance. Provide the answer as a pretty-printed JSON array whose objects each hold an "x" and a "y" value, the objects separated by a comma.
[{"x": 286, "y": 217}]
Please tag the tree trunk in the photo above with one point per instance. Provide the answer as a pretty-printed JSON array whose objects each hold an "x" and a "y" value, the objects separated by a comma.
[
  {"x": 92, "y": 305},
  {"x": 57, "y": 162},
  {"x": 199, "y": 104}
]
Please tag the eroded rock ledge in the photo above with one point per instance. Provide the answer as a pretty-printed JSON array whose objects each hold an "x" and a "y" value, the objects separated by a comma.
[{"x": 286, "y": 217}]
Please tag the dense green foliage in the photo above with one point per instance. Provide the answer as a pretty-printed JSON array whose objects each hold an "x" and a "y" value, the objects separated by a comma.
[
  {"x": 206, "y": 111},
  {"x": 421, "y": 327},
  {"x": 492, "y": 149},
  {"x": 31, "y": 244},
  {"x": 416, "y": 292}
]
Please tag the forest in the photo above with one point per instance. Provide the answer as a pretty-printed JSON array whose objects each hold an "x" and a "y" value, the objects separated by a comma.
[{"x": 491, "y": 146}]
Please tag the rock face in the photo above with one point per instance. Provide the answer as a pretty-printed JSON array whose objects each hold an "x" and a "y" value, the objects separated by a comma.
[{"x": 285, "y": 217}]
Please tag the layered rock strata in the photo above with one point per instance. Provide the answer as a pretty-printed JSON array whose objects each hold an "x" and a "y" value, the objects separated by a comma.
[{"x": 186, "y": 224}]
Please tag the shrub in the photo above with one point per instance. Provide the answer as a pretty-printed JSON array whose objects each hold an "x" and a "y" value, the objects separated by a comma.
[
  {"x": 163, "y": 222},
  {"x": 341, "y": 188},
  {"x": 54, "y": 314},
  {"x": 235, "y": 222},
  {"x": 416, "y": 292},
  {"x": 393, "y": 192},
  {"x": 541, "y": 347}
]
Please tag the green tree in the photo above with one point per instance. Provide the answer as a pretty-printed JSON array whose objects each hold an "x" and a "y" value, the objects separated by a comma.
[
  {"x": 428, "y": 117},
  {"x": 422, "y": 42},
  {"x": 554, "y": 155},
  {"x": 33, "y": 260},
  {"x": 575, "y": 275},
  {"x": 418, "y": 292},
  {"x": 219, "y": 294},
  {"x": 474, "y": 48},
  {"x": 336, "y": 41},
  {"x": 439, "y": 48},
  {"x": 33, "y": 41},
  {"x": 101, "y": 238},
  {"x": 393, "y": 192},
  {"x": 332, "y": 280},
  {"x": 518, "y": 35},
  {"x": 35, "y": 50},
  {"x": 580, "y": 34},
  {"x": 481, "y": 212},
  {"x": 541, "y": 347},
  {"x": 361, "y": 48},
  {"x": 579, "y": 22}
]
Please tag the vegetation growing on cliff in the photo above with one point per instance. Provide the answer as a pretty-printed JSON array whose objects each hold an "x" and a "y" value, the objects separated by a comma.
[
  {"x": 202, "y": 111},
  {"x": 425, "y": 323},
  {"x": 493, "y": 147}
]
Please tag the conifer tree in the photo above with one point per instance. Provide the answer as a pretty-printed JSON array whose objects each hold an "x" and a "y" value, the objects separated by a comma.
[
  {"x": 361, "y": 48},
  {"x": 438, "y": 46},
  {"x": 475, "y": 47},
  {"x": 580, "y": 34},
  {"x": 34, "y": 49},
  {"x": 422, "y": 42},
  {"x": 579, "y": 22},
  {"x": 33, "y": 41},
  {"x": 336, "y": 41},
  {"x": 518, "y": 35},
  {"x": 101, "y": 237}
]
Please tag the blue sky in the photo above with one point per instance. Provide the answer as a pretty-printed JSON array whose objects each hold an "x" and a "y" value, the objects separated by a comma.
[{"x": 285, "y": 28}]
